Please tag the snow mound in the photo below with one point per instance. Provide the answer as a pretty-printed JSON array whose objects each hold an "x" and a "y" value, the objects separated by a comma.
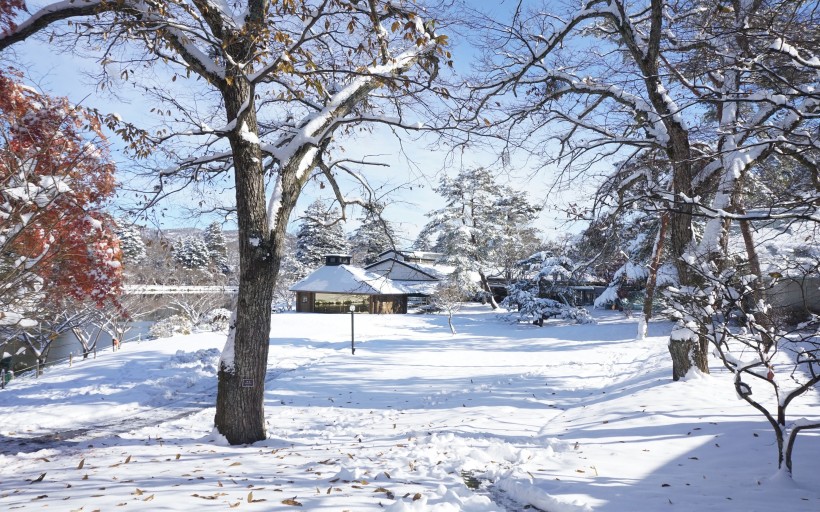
[{"x": 203, "y": 359}]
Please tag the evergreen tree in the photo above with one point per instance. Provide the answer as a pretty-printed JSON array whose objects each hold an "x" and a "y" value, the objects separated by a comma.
[
  {"x": 191, "y": 252},
  {"x": 217, "y": 249},
  {"x": 374, "y": 236},
  {"x": 318, "y": 236},
  {"x": 422, "y": 243},
  {"x": 480, "y": 222},
  {"x": 131, "y": 243}
]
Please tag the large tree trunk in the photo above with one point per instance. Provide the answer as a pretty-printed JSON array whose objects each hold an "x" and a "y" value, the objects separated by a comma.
[
  {"x": 240, "y": 414},
  {"x": 684, "y": 353}
]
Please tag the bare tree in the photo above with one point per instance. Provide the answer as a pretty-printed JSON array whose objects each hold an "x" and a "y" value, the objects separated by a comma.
[
  {"x": 194, "y": 306},
  {"x": 275, "y": 82},
  {"x": 772, "y": 363},
  {"x": 708, "y": 90},
  {"x": 51, "y": 323},
  {"x": 449, "y": 296}
]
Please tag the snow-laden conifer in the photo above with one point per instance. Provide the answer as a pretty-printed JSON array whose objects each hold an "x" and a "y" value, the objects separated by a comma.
[{"x": 320, "y": 234}]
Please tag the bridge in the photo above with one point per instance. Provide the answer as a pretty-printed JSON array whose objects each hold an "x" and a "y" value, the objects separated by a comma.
[{"x": 153, "y": 289}]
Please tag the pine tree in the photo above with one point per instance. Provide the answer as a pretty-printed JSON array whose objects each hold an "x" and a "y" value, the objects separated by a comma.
[
  {"x": 131, "y": 243},
  {"x": 480, "y": 222},
  {"x": 217, "y": 249},
  {"x": 318, "y": 236},
  {"x": 191, "y": 252},
  {"x": 374, "y": 236}
]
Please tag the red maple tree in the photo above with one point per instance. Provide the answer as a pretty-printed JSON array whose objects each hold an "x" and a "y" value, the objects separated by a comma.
[{"x": 55, "y": 178}]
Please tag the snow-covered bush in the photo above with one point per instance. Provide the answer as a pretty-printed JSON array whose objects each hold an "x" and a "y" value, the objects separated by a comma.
[
  {"x": 526, "y": 306},
  {"x": 170, "y": 326}
]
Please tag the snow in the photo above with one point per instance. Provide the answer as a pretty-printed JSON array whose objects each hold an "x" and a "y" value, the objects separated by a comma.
[
  {"x": 562, "y": 418},
  {"x": 247, "y": 135},
  {"x": 348, "y": 279}
]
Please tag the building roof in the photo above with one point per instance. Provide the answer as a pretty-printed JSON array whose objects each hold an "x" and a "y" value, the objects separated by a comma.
[
  {"x": 409, "y": 253},
  {"x": 431, "y": 271},
  {"x": 348, "y": 279}
]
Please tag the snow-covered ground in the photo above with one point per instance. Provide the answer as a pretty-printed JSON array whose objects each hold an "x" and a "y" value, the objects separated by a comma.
[{"x": 497, "y": 417}]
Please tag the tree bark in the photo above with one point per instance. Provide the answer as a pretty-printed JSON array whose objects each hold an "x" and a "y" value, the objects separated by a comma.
[
  {"x": 759, "y": 293},
  {"x": 652, "y": 279},
  {"x": 486, "y": 284},
  {"x": 240, "y": 412}
]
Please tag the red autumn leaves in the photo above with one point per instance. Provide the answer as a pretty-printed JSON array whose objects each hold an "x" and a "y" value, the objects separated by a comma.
[{"x": 55, "y": 177}]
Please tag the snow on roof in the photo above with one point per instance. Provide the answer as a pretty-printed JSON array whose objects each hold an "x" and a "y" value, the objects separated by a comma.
[
  {"x": 418, "y": 287},
  {"x": 409, "y": 253},
  {"x": 348, "y": 279},
  {"x": 435, "y": 272}
]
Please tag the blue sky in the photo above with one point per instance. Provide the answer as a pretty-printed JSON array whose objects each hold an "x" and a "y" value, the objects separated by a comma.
[{"x": 61, "y": 74}]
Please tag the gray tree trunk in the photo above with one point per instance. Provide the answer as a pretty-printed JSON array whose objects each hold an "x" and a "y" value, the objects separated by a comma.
[{"x": 240, "y": 413}]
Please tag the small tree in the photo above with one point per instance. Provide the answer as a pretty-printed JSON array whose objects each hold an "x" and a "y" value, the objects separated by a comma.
[
  {"x": 217, "y": 249},
  {"x": 195, "y": 307},
  {"x": 543, "y": 290},
  {"x": 450, "y": 295},
  {"x": 753, "y": 345},
  {"x": 131, "y": 243}
]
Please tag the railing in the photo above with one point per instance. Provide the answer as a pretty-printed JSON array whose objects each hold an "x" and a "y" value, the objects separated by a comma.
[
  {"x": 35, "y": 370},
  {"x": 153, "y": 289}
]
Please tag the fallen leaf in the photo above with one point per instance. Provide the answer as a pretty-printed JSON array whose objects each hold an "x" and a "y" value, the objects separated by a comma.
[
  {"x": 127, "y": 460},
  {"x": 417, "y": 496},
  {"x": 81, "y": 464},
  {"x": 39, "y": 478},
  {"x": 179, "y": 455},
  {"x": 292, "y": 502},
  {"x": 149, "y": 498},
  {"x": 138, "y": 492},
  {"x": 236, "y": 464}
]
